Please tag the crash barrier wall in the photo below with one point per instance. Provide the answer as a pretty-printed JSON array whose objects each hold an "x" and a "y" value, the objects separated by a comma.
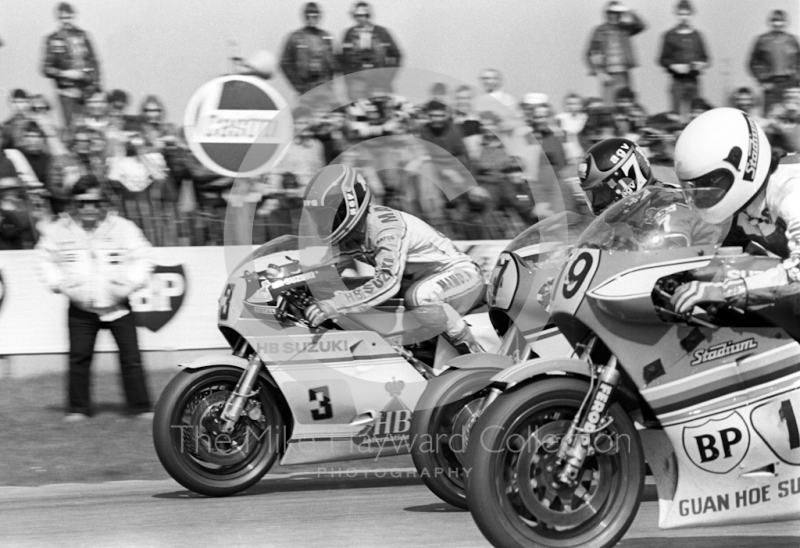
[{"x": 176, "y": 312}]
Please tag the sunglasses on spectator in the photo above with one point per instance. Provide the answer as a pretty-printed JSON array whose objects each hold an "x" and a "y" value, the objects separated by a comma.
[
  {"x": 361, "y": 14},
  {"x": 39, "y": 108},
  {"x": 87, "y": 203},
  {"x": 152, "y": 110}
]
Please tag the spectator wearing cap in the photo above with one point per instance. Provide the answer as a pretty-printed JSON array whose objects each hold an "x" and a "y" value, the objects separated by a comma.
[
  {"x": 33, "y": 162},
  {"x": 624, "y": 98},
  {"x": 684, "y": 57},
  {"x": 118, "y": 103},
  {"x": 439, "y": 92},
  {"x": 571, "y": 123},
  {"x": 41, "y": 112},
  {"x": 305, "y": 156},
  {"x": 441, "y": 132},
  {"x": 775, "y": 60},
  {"x": 83, "y": 154},
  {"x": 497, "y": 104},
  {"x": 70, "y": 60},
  {"x": 744, "y": 99},
  {"x": 14, "y": 125},
  {"x": 16, "y": 223},
  {"x": 39, "y": 104},
  {"x": 698, "y": 106},
  {"x": 97, "y": 259},
  {"x": 784, "y": 127},
  {"x": 162, "y": 136},
  {"x": 467, "y": 121},
  {"x": 96, "y": 114},
  {"x": 516, "y": 195},
  {"x": 142, "y": 182},
  {"x": 308, "y": 58},
  {"x": 599, "y": 126},
  {"x": 369, "y": 46},
  {"x": 542, "y": 156},
  {"x": 610, "y": 54}
]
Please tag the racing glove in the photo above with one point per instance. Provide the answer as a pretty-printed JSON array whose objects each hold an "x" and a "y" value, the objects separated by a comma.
[
  {"x": 688, "y": 295},
  {"x": 319, "y": 312}
]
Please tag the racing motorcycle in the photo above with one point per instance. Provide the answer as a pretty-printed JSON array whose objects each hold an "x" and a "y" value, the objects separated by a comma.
[
  {"x": 451, "y": 402},
  {"x": 709, "y": 398},
  {"x": 343, "y": 391}
]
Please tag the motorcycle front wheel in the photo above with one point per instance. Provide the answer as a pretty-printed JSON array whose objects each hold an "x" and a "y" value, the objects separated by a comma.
[
  {"x": 513, "y": 491},
  {"x": 440, "y": 426},
  {"x": 190, "y": 441}
]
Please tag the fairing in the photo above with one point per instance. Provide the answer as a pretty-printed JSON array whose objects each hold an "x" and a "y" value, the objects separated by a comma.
[{"x": 726, "y": 395}]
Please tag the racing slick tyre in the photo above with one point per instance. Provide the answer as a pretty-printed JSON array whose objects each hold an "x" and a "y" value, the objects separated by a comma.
[
  {"x": 513, "y": 491},
  {"x": 191, "y": 444},
  {"x": 440, "y": 425}
]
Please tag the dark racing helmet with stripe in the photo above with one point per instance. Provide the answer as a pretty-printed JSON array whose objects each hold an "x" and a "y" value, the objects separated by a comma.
[
  {"x": 335, "y": 202},
  {"x": 611, "y": 170}
]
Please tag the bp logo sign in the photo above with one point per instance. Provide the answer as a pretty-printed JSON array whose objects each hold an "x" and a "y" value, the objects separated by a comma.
[
  {"x": 237, "y": 125},
  {"x": 157, "y": 303}
]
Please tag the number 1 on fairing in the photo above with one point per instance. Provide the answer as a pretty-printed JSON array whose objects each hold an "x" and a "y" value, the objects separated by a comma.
[{"x": 787, "y": 416}]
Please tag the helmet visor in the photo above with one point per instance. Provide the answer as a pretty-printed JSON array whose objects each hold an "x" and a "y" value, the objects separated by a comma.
[
  {"x": 712, "y": 187},
  {"x": 600, "y": 197},
  {"x": 325, "y": 220}
]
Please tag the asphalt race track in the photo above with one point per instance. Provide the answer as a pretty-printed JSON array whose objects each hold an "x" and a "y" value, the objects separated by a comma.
[{"x": 373, "y": 509}]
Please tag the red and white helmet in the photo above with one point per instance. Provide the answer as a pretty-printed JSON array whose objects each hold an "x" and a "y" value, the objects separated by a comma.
[
  {"x": 725, "y": 154},
  {"x": 336, "y": 200}
]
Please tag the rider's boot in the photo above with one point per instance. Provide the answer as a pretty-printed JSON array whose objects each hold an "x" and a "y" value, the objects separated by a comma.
[{"x": 464, "y": 341}]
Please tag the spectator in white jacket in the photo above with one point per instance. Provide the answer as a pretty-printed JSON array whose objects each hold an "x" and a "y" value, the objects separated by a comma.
[{"x": 97, "y": 259}]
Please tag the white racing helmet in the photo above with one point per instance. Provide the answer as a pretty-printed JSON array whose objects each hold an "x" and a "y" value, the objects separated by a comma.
[{"x": 726, "y": 153}]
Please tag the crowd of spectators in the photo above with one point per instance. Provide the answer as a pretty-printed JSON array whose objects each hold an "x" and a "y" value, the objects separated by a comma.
[{"x": 474, "y": 161}]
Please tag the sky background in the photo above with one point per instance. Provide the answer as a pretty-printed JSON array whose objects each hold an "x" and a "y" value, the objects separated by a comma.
[{"x": 172, "y": 47}]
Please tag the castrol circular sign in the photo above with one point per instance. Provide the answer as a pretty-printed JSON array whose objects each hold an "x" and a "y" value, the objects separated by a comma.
[{"x": 237, "y": 125}]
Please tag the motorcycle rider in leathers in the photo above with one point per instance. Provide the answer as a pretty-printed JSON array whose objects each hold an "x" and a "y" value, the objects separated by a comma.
[
  {"x": 438, "y": 282},
  {"x": 616, "y": 168},
  {"x": 725, "y": 154}
]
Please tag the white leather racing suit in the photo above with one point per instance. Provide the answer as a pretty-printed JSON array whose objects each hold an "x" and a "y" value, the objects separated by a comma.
[
  {"x": 96, "y": 269},
  {"x": 773, "y": 220},
  {"x": 440, "y": 282}
]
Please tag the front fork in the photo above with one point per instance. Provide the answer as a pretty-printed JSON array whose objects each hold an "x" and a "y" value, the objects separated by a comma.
[
  {"x": 243, "y": 391},
  {"x": 576, "y": 445}
]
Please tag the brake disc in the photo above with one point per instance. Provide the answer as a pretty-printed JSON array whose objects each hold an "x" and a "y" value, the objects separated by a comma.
[
  {"x": 550, "y": 501},
  {"x": 211, "y": 443},
  {"x": 463, "y": 422}
]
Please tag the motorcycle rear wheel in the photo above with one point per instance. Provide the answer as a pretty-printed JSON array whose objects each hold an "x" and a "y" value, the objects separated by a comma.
[
  {"x": 510, "y": 490},
  {"x": 440, "y": 426},
  {"x": 189, "y": 440}
]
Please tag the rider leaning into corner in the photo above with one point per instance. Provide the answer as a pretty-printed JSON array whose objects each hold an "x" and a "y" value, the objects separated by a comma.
[
  {"x": 616, "y": 168},
  {"x": 439, "y": 282},
  {"x": 726, "y": 151}
]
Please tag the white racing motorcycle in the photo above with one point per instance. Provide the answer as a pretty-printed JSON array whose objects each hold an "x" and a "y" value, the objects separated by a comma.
[
  {"x": 451, "y": 402},
  {"x": 288, "y": 391},
  {"x": 710, "y": 398}
]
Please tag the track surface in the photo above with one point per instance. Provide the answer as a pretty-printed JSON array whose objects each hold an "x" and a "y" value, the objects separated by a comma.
[{"x": 373, "y": 509}]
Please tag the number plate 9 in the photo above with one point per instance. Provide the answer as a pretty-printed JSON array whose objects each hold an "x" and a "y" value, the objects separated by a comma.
[{"x": 574, "y": 279}]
